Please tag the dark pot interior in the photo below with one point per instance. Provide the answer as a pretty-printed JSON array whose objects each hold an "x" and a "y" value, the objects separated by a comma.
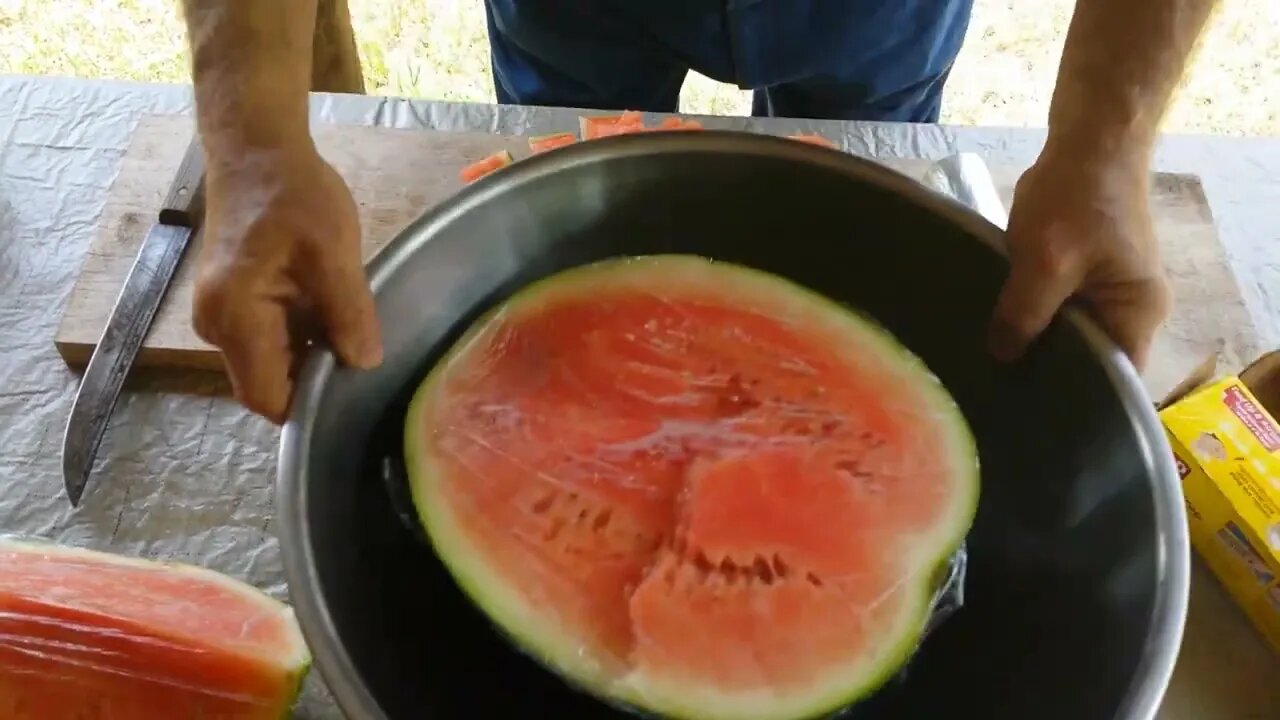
[{"x": 1077, "y": 562}]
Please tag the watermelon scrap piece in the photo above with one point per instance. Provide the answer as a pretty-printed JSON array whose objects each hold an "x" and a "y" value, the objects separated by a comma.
[
  {"x": 678, "y": 123},
  {"x": 598, "y": 126},
  {"x": 693, "y": 487},
  {"x": 485, "y": 165},
  {"x": 543, "y": 143},
  {"x": 814, "y": 140},
  {"x": 89, "y": 634}
]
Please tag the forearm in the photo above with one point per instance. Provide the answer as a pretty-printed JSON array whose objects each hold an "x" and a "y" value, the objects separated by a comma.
[
  {"x": 251, "y": 67},
  {"x": 1120, "y": 65}
]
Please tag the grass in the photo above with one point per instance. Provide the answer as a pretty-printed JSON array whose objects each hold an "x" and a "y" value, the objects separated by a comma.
[{"x": 438, "y": 49}]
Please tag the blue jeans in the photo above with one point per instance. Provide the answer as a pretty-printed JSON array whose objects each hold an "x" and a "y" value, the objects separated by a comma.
[{"x": 843, "y": 59}]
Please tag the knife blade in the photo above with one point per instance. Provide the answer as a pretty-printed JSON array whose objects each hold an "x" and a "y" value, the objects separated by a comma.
[{"x": 130, "y": 320}]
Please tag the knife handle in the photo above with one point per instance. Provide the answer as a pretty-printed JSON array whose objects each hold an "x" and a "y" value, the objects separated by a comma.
[{"x": 184, "y": 205}]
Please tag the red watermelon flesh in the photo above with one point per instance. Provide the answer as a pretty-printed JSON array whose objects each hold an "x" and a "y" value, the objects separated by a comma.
[
  {"x": 598, "y": 126},
  {"x": 485, "y": 166},
  {"x": 814, "y": 140},
  {"x": 693, "y": 487},
  {"x": 543, "y": 143},
  {"x": 677, "y": 123},
  {"x": 87, "y": 635}
]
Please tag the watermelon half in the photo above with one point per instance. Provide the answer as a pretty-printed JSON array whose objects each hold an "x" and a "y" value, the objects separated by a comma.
[
  {"x": 88, "y": 635},
  {"x": 693, "y": 488}
]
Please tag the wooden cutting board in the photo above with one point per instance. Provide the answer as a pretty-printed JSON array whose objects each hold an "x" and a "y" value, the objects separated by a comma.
[{"x": 397, "y": 174}]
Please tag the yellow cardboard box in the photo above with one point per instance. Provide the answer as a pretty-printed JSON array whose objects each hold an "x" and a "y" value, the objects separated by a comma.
[{"x": 1226, "y": 445}]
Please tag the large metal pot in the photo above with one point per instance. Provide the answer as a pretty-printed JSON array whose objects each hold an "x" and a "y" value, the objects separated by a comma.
[{"x": 1077, "y": 585}]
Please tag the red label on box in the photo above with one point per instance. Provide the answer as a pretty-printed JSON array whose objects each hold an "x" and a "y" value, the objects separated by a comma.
[{"x": 1262, "y": 427}]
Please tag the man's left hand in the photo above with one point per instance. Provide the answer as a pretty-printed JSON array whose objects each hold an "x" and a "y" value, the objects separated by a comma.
[{"x": 1081, "y": 228}]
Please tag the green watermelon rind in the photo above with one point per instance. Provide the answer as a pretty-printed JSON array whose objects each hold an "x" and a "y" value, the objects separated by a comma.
[
  {"x": 528, "y": 629},
  {"x": 298, "y": 678},
  {"x": 296, "y": 661}
]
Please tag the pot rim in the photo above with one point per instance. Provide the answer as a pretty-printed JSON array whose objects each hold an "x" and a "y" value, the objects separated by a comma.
[{"x": 1143, "y": 697}]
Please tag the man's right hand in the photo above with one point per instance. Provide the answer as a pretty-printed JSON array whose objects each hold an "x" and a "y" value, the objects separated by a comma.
[{"x": 281, "y": 252}]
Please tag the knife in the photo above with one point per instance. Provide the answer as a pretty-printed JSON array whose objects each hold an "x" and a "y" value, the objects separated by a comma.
[{"x": 135, "y": 308}]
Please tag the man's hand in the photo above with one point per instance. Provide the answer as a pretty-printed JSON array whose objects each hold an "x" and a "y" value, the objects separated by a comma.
[
  {"x": 1080, "y": 223},
  {"x": 1082, "y": 229},
  {"x": 281, "y": 251}
]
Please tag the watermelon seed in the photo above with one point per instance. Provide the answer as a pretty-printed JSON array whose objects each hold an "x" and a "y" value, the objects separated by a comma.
[
  {"x": 875, "y": 442},
  {"x": 736, "y": 398},
  {"x": 814, "y": 580},
  {"x": 544, "y": 504},
  {"x": 729, "y": 570},
  {"x": 850, "y": 468},
  {"x": 762, "y": 570},
  {"x": 780, "y": 568},
  {"x": 582, "y": 515},
  {"x": 703, "y": 564},
  {"x": 602, "y": 520}
]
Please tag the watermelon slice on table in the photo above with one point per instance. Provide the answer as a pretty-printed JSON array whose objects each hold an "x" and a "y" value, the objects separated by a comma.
[
  {"x": 814, "y": 140},
  {"x": 86, "y": 634},
  {"x": 485, "y": 165},
  {"x": 693, "y": 488},
  {"x": 598, "y": 126},
  {"x": 543, "y": 143}
]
